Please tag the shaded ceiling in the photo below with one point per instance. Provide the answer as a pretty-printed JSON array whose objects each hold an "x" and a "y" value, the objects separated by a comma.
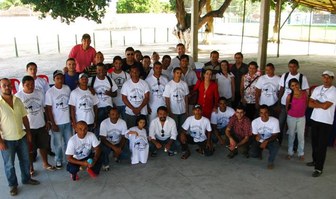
[{"x": 326, "y": 5}]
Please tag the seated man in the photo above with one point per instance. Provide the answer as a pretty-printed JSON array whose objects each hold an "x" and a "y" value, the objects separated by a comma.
[
  {"x": 162, "y": 132},
  {"x": 83, "y": 147},
  {"x": 238, "y": 132},
  {"x": 112, "y": 131},
  {"x": 220, "y": 119},
  {"x": 196, "y": 130},
  {"x": 266, "y": 130}
]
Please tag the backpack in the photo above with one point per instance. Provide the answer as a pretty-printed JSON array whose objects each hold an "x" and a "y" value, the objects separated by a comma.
[
  {"x": 300, "y": 79},
  {"x": 94, "y": 79}
]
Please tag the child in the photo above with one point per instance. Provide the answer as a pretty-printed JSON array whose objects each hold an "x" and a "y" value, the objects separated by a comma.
[
  {"x": 70, "y": 74},
  {"x": 81, "y": 147},
  {"x": 138, "y": 142}
]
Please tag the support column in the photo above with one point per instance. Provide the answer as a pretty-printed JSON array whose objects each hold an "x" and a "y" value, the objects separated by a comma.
[
  {"x": 194, "y": 30},
  {"x": 263, "y": 33}
]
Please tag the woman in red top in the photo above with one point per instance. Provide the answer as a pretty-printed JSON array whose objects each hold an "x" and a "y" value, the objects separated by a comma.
[{"x": 207, "y": 93}]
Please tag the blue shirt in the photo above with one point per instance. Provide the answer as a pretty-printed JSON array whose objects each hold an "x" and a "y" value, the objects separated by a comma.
[{"x": 71, "y": 81}]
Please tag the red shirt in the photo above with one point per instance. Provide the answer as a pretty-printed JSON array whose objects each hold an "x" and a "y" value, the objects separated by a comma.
[
  {"x": 83, "y": 57},
  {"x": 208, "y": 99},
  {"x": 241, "y": 128}
]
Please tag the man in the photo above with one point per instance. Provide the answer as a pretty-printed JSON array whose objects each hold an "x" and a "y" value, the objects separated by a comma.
[
  {"x": 323, "y": 103},
  {"x": 166, "y": 59},
  {"x": 112, "y": 131},
  {"x": 83, "y": 53},
  {"x": 238, "y": 69},
  {"x": 238, "y": 133},
  {"x": 265, "y": 130},
  {"x": 267, "y": 89},
  {"x": 176, "y": 97},
  {"x": 40, "y": 83},
  {"x": 220, "y": 119},
  {"x": 34, "y": 102},
  {"x": 135, "y": 95},
  {"x": 213, "y": 64},
  {"x": 83, "y": 104},
  {"x": 92, "y": 70},
  {"x": 130, "y": 61},
  {"x": 156, "y": 83},
  {"x": 120, "y": 77},
  {"x": 105, "y": 88},
  {"x": 14, "y": 140},
  {"x": 81, "y": 147},
  {"x": 293, "y": 67},
  {"x": 196, "y": 130},
  {"x": 188, "y": 75},
  {"x": 175, "y": 62},
  {"x": 58, "y": 114},
  {"x": 162, "y": 133},
  {"x": 146, "y": 65}
]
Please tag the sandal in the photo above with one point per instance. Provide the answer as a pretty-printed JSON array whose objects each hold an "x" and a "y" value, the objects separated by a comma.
[
  {"x": 50, "y": 168},
  {"x": 200, "y": 151},
  {"x": 288, "y": 157},
  {"x": 32, "y": 173},
  {"x": 185, "y": 155}
]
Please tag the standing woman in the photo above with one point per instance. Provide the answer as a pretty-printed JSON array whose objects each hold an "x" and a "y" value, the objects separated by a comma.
[
  {"x": 207, "y": 93},
  {"x": 225, "y": 81},
  {"x": 296, "y": 104},
  {"x": 248, "y": 89}
]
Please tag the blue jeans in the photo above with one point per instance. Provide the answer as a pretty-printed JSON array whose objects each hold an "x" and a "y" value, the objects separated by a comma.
[
  {"x": 102, "y": 115},
  {"x": 121, "y": 110},
  {"x": 64, "y": 134},
  {"x": 153, "y": 148},
  {"x": 272, "y": 146},
  {"x": 296, "y": 125},
  {"x": 107, "y": 150},
  {"x": 21, "y": 148},
  {"x": 282, "y": 122}
]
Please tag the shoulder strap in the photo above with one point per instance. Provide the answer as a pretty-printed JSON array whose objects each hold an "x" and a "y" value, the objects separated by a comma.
[
  {"x": 110, "y": 81},
  {"x": 251, "y": 83},
  {"x": 300, "y": 80},
  {"x": 286, "y": 76},
  {"x": 93, "y": 81}
]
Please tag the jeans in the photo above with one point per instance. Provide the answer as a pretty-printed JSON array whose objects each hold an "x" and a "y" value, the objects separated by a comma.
[
  {"x": 102, "y": 115},
  {"x": 64, "y": 134},
  {"x": 272, "y": 146},
  {"x": 74, "y": 168},
  {"x": 296, "y": 125},
  {"x": 221, "y": 132},
  {"x": 21, "y": 148},
  {"x": 179, "y": 120},
  {"x": 282, "y": 122},
  {"x": 121, "y": 110},
  {"x": 107, "y": 150},
  {"x": 153, "y": 148}
]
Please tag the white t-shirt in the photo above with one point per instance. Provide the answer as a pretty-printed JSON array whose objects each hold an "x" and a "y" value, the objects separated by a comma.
[
  {"x": 287, "y": 90},
  {"x": 224, "y": 85},
  {"x": 169, "y": 129},
  {"x": 40, "y": 84},
  {"x": 34, "y": 104},
  {"x": 265, "y": 129},
  {"x": 81, "y": 148},
  {"x": 100, "y": 86},
  {"x": 175, "y": 62},
  {"x": 176, "y": 92},
  {"x": 119, "y": 79},
  {"x": 165, "y": 73},
  {"x": 156, "y": 99},
  {"x": 197, "y": 128},
  {"x": 269, "y": 87},
  {"x": 322, "y": 94},
  {"x": 135, "y": 93},
  {"x": 58, "y": 99},
  {"x": 221, "y": 119},
  {"x": 83, "y": 101},
  {"x": 190, "y": 77},
  {"x": 138, "y": 145},
  {"x": 113, "y": 132}
]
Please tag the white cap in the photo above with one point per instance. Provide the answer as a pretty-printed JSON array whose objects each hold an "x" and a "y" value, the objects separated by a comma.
[{"x": 329, "y": 73}]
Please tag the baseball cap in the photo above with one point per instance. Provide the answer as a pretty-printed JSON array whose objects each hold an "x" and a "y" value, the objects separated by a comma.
[
  {"x": 83, "y": 75},
  {"x": 329, "y": 73},
  {"x": 57, "y": 72},
  {"x": 197, "y": 106}
]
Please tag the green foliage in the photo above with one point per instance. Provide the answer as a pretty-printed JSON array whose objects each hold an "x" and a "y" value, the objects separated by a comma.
[
  {"x": 6, "y": 4},
  {"x": 69, "y": 10},
  {"x": 134, "y": 6}
]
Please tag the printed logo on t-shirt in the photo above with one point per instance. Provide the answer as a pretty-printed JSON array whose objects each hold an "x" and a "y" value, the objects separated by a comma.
[
  {"x": 178, "y": 94},
  {"x": 136, "y": 96},
  {"x": 85, "y": 103},
  {"x": 119, "y": 81},
  {"x": 32, "y": 105},
  {"x": 222, "y": 122},
  {"x": 265, "y": 132},
  {"x": 196, "y": 132},
  {"x": 268, "y": 89},
  {"x": 157, "y": 91},
  {"x": 140, "y": 144},
  {"x": 83, "y": 151},
  {"x": 100, "y": 91},
  {"x": 62, "y": 102},
  {"x": 113, "y": 136}
]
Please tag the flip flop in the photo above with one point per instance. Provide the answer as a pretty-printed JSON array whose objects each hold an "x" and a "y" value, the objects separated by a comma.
[{"x": 50, "y": 168}]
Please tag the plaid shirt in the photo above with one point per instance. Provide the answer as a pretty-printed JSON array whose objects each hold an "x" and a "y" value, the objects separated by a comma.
[{"x": 241, "y": 128}]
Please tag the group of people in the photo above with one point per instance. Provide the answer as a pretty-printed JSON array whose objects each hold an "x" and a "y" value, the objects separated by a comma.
[{"x": 140, "y": 105}]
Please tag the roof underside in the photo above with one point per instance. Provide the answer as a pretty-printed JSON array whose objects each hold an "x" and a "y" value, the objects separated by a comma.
[{"x": 326, "y": 5}]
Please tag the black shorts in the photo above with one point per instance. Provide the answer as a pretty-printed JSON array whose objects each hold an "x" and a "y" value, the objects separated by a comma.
[{"x": 40, "y": 138}]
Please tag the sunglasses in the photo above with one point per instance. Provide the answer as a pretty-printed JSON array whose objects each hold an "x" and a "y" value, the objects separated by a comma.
[{"x": 162, "y": 133}]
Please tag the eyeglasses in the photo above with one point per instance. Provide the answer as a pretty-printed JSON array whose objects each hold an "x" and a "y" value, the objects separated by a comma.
[
  {"x": 162, "y": 133},
  {"x": 128, "y": 54}
]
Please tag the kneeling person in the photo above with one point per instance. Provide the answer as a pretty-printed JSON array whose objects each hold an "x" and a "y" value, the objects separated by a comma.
[
  {"x": 112, "y": 131},
  {"x": 196, "y": 130},
  {"x": 162, "y": 132},
  {"x": 81, "y": 147}
]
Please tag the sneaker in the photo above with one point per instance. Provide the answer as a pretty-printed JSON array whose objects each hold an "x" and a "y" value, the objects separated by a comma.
[
  {"x": 270, "y": 166},
  {"x": 171, "y": 153},
  {"x": 310, "y": 164},
  {"x": 117, "y": 159},
  {"x": 106, "y": 167},
  {"x": 74, "y": 177},
  {"x": 59, "y": 165},
  {"x": 32, "y": 182},
  {"x": 317, "y": 173},
  {"x": 13, "y": 191}
]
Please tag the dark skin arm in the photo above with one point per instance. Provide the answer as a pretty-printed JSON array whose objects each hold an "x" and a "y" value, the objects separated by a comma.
[
  {"x": 54, "y": 127},
  {"x": 117, "y": 150},
  {"x": 263, "y": 145},
  {"x": 215, "y": 131},
  {"x": 316, "y": 104},
  {"x": 73, "y": 115}
]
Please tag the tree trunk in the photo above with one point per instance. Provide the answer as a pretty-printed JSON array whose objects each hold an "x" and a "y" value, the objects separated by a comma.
[{"x": 277, "y": 10}]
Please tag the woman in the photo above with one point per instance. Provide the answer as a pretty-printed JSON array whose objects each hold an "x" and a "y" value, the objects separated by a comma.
[
  {"x": 225, "y": 81},
  {"x": 248, "y": 89},
  {"x": 207, "y": 93},
  {"x": 296, "y": 104}
]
